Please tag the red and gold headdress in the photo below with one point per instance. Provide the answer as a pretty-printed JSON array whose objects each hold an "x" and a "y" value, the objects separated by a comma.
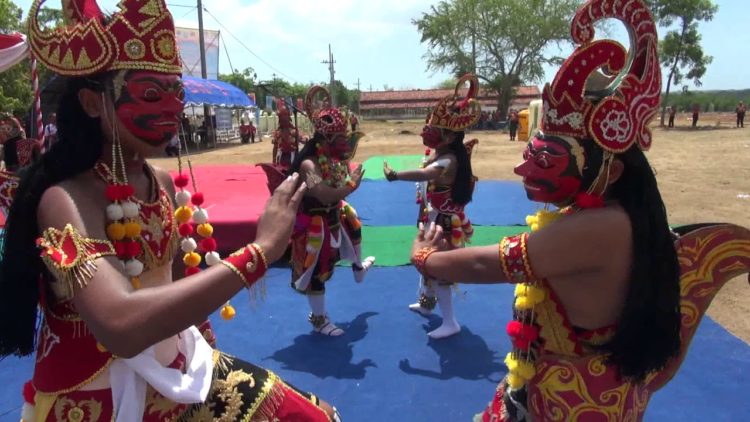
[
  {"x": 456, "y": 113},
  {"x": 327, "y": 120},
  {"x": 141, "y": 36},
  {"x": 617, "y": 115}
]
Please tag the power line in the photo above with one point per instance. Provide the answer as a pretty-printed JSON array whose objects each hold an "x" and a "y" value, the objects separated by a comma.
[
  {"x": 226, "y": 50},
  {"x": 248, "y": 48}
]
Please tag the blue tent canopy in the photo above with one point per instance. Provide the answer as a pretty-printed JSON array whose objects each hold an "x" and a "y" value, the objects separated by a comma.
[{"x": 216, "y": 93}]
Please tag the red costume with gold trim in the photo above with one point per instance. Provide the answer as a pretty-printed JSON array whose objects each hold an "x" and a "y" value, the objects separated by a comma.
[
  {"x": 75, "y": 378},
  {"x": 555, "y": 372}
]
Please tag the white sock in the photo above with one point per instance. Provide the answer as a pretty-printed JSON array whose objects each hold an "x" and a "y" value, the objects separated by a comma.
[
  {"x": 318, "y": 307},
  {"x": 450, "y": 325}
]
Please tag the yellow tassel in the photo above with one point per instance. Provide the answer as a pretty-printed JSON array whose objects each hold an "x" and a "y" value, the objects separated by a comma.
[
  {"x": 511, "y": 362},
  {"x": 535, "y": 295},
  {"x": 525, "y": 370},
  {"x": 132, "y": 230},
  {"x": 228, "y": 312},
  {"x": 523, "y": 303},
  {"x": 521, "y": 290},
  {"x": 515, "y": 382},
  {"x": 183, "y": 215},
  {"x": 135, "y": 282},
  {"x": 205, "y": 230},
  {"x": 116, "y": 231},
  {"x": 192, "y": 259}
]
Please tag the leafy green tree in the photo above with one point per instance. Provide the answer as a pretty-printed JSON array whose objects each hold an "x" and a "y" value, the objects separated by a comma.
[
  {"x": 16, "y": 94},
  {"x": 681, "y": 52},
  {"x": 504, "y": 42},
  {"x": 243, "y": 80}
]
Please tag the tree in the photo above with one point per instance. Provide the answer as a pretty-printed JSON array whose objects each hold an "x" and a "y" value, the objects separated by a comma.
[
  {"x": 502, "y": 41},
  {"x": 243, "y": 80},
  {"x": 15, "y": 84},
  {"x": 680, "y": 49},
  {"x": 447, "y": 84}
]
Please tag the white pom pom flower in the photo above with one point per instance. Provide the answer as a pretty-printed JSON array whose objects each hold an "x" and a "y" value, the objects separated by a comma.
[
  {"x": 188, "y": 245},
  {"x": 115, "y": 212},
  {"x": 133, "y": 268},
  {"x": 200, "y": 216},
  {"x": 182, "y": 198},
  {"x": 212, "y": 258},
  {"x": 130, "y": 209}
]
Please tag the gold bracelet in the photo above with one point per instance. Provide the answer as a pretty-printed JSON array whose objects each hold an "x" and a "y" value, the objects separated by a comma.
[{"x": 419, "y": 260}]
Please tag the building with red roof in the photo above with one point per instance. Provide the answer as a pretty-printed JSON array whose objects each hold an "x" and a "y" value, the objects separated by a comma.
[{"x": 417, "y": 103}]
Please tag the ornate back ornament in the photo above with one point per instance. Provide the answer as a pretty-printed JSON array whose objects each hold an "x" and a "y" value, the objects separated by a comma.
[
  {"x": 616, "y": 116},
  {"x": 139, "y": 36},
  {"x": 455, "y": 113},
  {"x": 327, "y": 119}
]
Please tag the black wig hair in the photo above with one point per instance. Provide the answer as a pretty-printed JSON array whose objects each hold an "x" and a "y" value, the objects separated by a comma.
[
  {"x": 79, "y": 146},
  {"x": 463, "y": 186},
  {"x": 648, "y": 330}
]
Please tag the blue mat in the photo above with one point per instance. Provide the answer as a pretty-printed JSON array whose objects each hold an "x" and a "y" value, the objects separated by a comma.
[
  {"x": 386, "y": 369},
  {"x": 496, "y": 203}
]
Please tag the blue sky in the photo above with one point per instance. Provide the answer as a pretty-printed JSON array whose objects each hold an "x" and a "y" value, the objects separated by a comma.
[{"x": 375, "y": 43}]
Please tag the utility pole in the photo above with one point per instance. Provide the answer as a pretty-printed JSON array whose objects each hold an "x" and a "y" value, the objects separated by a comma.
[
  {"x": 204, "y": 73},
  {"x": 330, "y": 63},
  {"x": 358, "y": 84}
]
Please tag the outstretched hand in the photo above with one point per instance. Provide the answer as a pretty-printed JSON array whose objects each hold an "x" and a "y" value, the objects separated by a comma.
[
  {"x": 276, "y": 224},
  {"x": 429, "y": 237},
  {"x": 390, "y": 174},
  {"x": 356, "y": 176}
]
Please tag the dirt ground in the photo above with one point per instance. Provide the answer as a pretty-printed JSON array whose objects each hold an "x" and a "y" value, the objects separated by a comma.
[{"x": 703, "y": 175}]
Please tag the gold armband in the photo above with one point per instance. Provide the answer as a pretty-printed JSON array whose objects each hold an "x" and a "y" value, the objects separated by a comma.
[
  {"x": 70, "y": 257},
  {"x": 514, "y": 259}
]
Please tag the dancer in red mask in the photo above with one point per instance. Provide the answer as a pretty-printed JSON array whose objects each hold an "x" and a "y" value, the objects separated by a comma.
[
  {"x": 607, "y": 297},
  {"x": 445, "y": 185},
  {"x": 92, "y": 233},
  {"x": 327, "y": 228},
  {"x": 285, "y": 138}
]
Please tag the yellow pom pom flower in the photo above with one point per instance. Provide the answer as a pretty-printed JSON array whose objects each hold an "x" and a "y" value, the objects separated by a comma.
[
  {"x": 116, "y": 231},
  {"x": 228, "y": 312},
  {"x": 205, "y": 230},
  {"x": 132, "y": 230},
  {"x": 192, "y": 259},
  {"x": 183, "y": 215}
]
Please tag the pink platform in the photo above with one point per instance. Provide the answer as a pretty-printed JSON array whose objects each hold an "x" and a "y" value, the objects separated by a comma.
[{"x": 235, "y": 198}]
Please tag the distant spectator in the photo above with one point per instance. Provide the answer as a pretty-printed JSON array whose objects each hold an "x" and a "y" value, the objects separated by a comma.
[
  {"x": 740, "y": 110},
  {"x": 696, "y": 113},
  {"x": 187, "y": 129},
  {"x": 354, "y": 122},
  {"x": 50, "y": 132},
  {"x": 513, "y": 124},
  {"x": 672, "y": 112},
  {"x": 173, "y": 147}
]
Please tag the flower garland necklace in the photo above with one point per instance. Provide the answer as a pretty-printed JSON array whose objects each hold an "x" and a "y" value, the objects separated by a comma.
[
  {"x": 523, "y": 329},
  {"x": 335, "y": 173},
  {"x": 199, "y": 216}
]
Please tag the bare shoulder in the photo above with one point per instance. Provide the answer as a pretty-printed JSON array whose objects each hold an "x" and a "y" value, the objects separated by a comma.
[{"x": 58, "y": 207}]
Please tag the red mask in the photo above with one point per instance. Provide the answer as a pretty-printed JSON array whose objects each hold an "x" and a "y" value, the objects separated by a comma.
[
  {"x": 150, "y": 106},
  {"x": 549, "y": 171},
  {"x": 431, "y": 136},
  {"x": 339, "y": 147}
]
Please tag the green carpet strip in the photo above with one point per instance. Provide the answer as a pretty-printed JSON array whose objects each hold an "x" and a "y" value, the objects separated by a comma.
[
  {"x": 373, "y": 166},
  {"x": 391, "y": 245}
]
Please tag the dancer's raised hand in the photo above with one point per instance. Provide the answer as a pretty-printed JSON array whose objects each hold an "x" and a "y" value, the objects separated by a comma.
[
  {"x": 390, "y": 174},
  {"x": 276, "y": 224},
  {"x": 430, "y": 236},
  {"x": 356, "y": 177}
]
